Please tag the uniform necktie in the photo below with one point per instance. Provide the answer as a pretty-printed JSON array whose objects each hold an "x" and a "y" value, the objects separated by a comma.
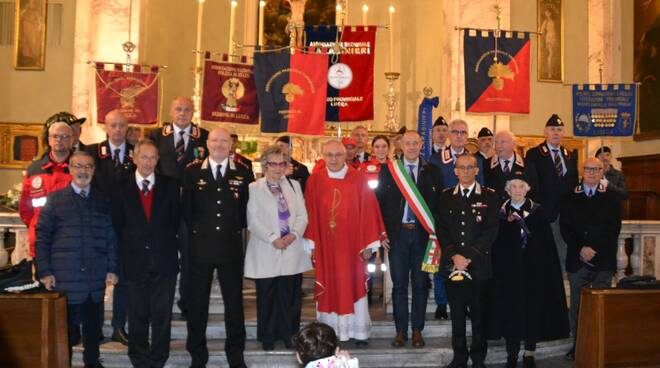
[
  {"x": 180, "y": 146},
  {"x": 410, "y": 216},
  {"x": 115, "y": 157},
  {"x": 506, "y": 168},
  {"x": 466, "y": 191},
  {"x": 559, "y": 168},
  {"x": 590, "y": 193},
  {"x": 145, "y": 187},
  {"x": 83, "y": 194},
  {"x": 218, "y": 173}
]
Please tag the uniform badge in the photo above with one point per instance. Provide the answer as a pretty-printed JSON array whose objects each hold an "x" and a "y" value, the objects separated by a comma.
[
  {"x": 478, "y": 219},
  {"x": 104, "y": 151},
  {"x": 235, "y": 182},
  {"x": 37, "y": 182},
  {"x": 199, "y": 153},
  {"x": 201, "y": 182}
]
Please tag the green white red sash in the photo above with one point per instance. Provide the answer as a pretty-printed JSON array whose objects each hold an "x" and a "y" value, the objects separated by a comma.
[{"x": 431, "y": 262}]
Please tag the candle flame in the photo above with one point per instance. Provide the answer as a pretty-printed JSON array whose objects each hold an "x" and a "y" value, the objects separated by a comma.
[
  {"x": 262, "y": 3},
  {"x": 234, "y": 3},
  {"x": 338, "y": 8},
  {"x": 391, "y": 9},
  {"x": 365, "y": 8}
]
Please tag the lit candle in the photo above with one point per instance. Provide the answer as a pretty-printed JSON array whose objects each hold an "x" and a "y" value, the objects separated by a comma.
[
  {"x": 365, "y": 11},
  {"x": 262, "y": 6},
  {"x": 338, "y": 18},
  {"x": 391, "y": 38},
  {"x": 232, "y": 16},
  {"x": 200, "y": 12}
]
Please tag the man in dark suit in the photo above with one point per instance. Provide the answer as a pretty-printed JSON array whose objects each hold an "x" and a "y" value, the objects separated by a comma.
[
  {"x": 361, "y": 136},
  {"x": 552, "y": 173},
  {"x": 505, "y": 164},
  {"x": 590, "y": 224},
  {"x": 298, "y": 170},
  {"x": 467, "y": 226},
  {"x": 215, "y": 194},
  {"x": 180, "y": 143},
  {"x": 439, "y": 134},
  {"x": 408, "y": 238},
  {"x": 146, "y": 212},
  {"x": 114, "y": 160}
]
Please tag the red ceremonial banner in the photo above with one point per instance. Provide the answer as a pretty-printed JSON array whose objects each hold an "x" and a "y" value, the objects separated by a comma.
[
  {"x": 229, "y": 93},
  {"x": 355, "y": 102},
  {"x": 134, "y": 93}
]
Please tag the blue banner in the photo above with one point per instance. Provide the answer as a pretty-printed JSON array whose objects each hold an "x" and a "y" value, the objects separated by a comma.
[
  {"x": 425, "y": 124},
  {"x": 604, "y": 110}
]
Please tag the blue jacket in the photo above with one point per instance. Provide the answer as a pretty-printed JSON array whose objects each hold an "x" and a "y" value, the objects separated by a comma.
[
  {"x": 76, "y": 243},
  {"x": 443, "y": 161}
]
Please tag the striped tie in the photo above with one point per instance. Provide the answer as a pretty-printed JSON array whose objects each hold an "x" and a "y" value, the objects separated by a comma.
[
  {"x": 559, "y": 168},
  {"x": 506, "y": 168},
  {"x": 180, "y": 147}
]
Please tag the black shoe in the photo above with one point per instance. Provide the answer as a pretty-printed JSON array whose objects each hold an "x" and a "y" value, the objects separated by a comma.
[
  {"x": 529, "y": 362},
  {"x": 454, "y": 364},
  {"x": 120, "y": 336},
  {"x": 571, "y": 354},
  {"x": 441, "y": 312},
  {"x": 511, "y": 362},
  {"x": 361, "y": 343},
  {"x": 95, "y": 365},
  {"x": 268, "y": 346}
]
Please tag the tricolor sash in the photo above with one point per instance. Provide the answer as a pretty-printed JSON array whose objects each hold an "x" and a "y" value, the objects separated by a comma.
[{"x": 431, "y": 262}]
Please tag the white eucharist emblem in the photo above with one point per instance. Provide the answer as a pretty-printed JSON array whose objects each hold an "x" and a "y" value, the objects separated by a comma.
[{"x": 340, "y": 76}]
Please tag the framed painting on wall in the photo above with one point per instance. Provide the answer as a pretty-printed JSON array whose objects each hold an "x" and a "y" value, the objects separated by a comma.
[
  {"x": 550, "y": 45},
  {"x": 277, "y": 13},
  {"x": 647, "y": 67},
  {"x": 21, "y": 143},
  {"x": 30, "y": 35}
]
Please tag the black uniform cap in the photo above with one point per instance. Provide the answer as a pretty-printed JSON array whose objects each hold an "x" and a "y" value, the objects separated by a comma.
[
  {"x": 484, "y": 132},
  {"x": 603, "y": 149},
  {"x": 440, "y": 121},
  {"x": 554, "y": 121}
]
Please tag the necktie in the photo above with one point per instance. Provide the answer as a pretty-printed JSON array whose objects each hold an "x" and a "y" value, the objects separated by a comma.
[
  {"x": 145, "y": 187},
  {"x": 115, "y": 157},
  {"x": 83, "y": 194},
  {"x": 559, "y": 168},
  {"x": 506, "y": 168},
  {"x": 591, "y": 193},
  {"x": 218, "y": 174},
  {"x": 180, "y": 146},
  {"x": 410, "y": 216},
  {"x": 466, "y": 191}
]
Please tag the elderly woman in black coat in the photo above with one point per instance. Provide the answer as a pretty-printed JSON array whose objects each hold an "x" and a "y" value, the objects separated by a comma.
[{"x": 527, "y": 298}]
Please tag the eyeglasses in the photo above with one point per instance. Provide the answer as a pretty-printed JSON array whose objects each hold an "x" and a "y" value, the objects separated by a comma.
[
  {"x": 466, "y": 167},
  {"x": 281, "y": 165},
  {"x": 459, "y": 132},
  {"x": 59, "y": 137},
  {"x": 592, "y": 170},
  {"x": 333, "y": 155},
  {"x": 82, "y": 167}
]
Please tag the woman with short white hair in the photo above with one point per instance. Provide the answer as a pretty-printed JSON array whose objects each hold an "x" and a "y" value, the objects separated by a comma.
[
  {"x": 275, "y": 256},
  {"x": 527, "y": 298}
]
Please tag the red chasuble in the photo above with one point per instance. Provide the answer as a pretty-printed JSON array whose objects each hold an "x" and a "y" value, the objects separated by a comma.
[{"x": 344, "y": 218}]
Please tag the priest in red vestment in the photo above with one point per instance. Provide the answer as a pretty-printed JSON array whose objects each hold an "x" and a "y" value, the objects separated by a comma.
[{"x": 345, "y": 228}]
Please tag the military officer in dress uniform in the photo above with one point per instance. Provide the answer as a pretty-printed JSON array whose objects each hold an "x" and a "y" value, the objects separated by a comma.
[
  {"x": 552, "y": 173},
  {"x": 113, "y": 161},
  {"x": 180, "y": 143},
  {"x": 485, "y": 141},
  {"x": 505, "y": 164},
  {"x": 467, "y": 226},
  {"x": 299, "y": 171},
  {"x": 215, "y": 195},
  {"x": 439, "y": 134}
]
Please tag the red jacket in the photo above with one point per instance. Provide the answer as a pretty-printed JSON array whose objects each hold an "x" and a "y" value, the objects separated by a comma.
[{"x": 43, "y": 177}]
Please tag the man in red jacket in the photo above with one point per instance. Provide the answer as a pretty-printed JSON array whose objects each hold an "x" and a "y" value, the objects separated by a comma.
[{"x": 46, "y": 175}]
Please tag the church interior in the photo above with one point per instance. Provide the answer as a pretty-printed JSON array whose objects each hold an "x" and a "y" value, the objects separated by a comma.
[{"x": 418, "y": 54}]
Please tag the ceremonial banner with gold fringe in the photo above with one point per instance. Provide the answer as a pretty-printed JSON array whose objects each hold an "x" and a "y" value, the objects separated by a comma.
[
  {"x": 351, "y": 72},
  {"x": 229, "y": 93},
  {"x": 291, "y": 91},
  {"x": 496, "y": 72},
  {"x": 134, "y": 92},
  {"x": 406, "y": 185}
]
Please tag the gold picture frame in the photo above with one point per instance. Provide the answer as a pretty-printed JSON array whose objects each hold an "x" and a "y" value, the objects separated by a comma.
[
  {"x": 550, "y": 44},
  {"x": 30, "y": 35},
  {"x": 20, "y": 144}
]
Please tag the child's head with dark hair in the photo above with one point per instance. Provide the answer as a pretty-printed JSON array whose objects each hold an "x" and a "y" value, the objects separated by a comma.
[{"x": 315, "y": 341}]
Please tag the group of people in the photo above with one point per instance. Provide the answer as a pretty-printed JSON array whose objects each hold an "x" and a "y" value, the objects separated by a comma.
[{"x": 183, "y": 201}]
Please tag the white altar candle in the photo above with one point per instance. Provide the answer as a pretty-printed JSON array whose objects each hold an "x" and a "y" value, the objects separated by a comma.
[
  {"x": 200, "y": 13},
  {"x": 262, "y": 6},
  {"x": 232, "y": 17},
  {"x": 365, "y": 11},
  {"x": 391, "y": 39},
  {"x": 338, "y": 20}
]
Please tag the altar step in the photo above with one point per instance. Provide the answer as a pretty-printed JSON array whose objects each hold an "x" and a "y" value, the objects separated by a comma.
[{"x": 379, "y": 354}]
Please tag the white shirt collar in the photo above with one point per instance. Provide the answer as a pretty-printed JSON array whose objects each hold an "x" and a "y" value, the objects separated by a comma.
[
  {"x": 121, "y": 148},
  {"x": 78, "y": 189},
  {"x": 587, "y": 187},
  {"x": 139, "y": 179},
  {"x": 454, "y": 152},
  {"x": 471, "y": 188},
  {"x": 552, "y": 147},
  {"x": 177, "y": 129},
  {"x": 338, "y": 174},
  {"x": 517, "y": 205},
  {"x": 214, "y": 166}
]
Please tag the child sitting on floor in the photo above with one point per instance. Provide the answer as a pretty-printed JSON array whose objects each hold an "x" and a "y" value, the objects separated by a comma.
[{"x": 316, "y": 346}]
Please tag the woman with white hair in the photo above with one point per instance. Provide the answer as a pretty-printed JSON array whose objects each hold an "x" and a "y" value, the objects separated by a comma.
[
  {"x": 526, "y": 300},
  {"x": 275, "y": 256}
]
